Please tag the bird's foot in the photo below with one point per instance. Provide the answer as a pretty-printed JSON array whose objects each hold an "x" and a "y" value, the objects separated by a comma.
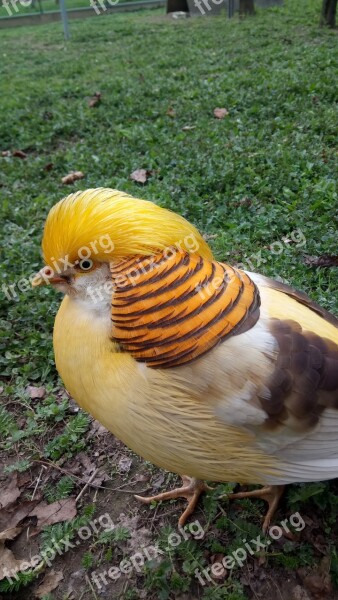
[
  {"x": 191, "y": 490},
  {"x": 271, "y": 494}
]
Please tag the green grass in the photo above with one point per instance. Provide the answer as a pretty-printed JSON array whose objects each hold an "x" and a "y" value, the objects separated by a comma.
[
  {"x": 44, "y": 6},
  {"x": 249, "y": 180}
]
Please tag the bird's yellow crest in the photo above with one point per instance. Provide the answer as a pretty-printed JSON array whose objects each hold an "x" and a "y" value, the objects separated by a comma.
[{"x": 109, "y": 224}]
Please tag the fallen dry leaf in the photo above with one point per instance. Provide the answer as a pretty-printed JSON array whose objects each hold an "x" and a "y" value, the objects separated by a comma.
[
  {"x": 8, "y": 562},
  {"x": 48, "y": 514},
  {"x": 48, "y": 166},
  {"x": 88, "y": 470},
  {"x": 322, "y": 261},
  {"x": 72, "y": 177},
  {"x": 95, "y": 100},
  {"x": 11, "y": 516},
  {"x": 299, "y": 593},
  {"x": 156, "y": 483},
  {"x": 97, "y": 429},
  {"x": 19, "y": 154},
  {"x": 10, "y": 493},
  {"x": 10, "y": 534},
  {"x": 320, "y": 587},
  {"x": 188, "y": 127},
  {"x": 220, "y": 113},
  {"x": 36, "y": 392},
  {"x": 140, "y": 537},
  {"x": 86, "y": 463},
  {"x": 210, "y": 236},
  {"x": 75, "y": 583},
  {"x": 124, "y": 464},
  {"x": 171, "y": 112},
  {"x": 219, "y": 572},
  {"x": 50, "y": 583},
  {"x": 140, "y": 175},
  {"x": 317, "y": 583}
]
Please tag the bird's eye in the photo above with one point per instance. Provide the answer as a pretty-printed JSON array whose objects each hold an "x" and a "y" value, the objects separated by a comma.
[{"x": 86, "y": 264}]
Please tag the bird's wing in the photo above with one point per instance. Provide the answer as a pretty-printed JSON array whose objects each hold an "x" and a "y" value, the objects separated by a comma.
[
  {"x": 276, "y": 294},
  {"x": 293, "y": 411}
]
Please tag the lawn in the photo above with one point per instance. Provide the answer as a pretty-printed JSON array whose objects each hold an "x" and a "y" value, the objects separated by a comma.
[
  {"x": 260, "y": 183},
  {"x": 44, "y": 6}
]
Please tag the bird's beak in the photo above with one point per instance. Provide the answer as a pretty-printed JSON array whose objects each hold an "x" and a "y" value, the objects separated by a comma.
[{"x": 45, "y": 276}]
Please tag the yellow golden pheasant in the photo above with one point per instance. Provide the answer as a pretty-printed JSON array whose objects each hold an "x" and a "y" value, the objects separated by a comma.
[{"x": 201, "y": 368}]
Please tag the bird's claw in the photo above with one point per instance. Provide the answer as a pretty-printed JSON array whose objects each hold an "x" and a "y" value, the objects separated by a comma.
[{"x": 190, "y": 490}]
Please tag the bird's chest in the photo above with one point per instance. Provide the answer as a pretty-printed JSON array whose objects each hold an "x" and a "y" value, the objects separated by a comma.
[{"x": 95, "y": 373}]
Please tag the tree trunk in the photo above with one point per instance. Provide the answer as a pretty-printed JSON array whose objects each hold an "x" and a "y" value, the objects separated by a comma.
[
  {"x": 329, "y": 13},
  {"x": 246, "y": 7},
  {"x": 177, "y": 5}
]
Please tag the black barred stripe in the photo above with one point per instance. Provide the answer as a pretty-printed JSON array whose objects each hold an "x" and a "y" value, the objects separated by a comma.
[
  {"x": 183, "y": 338},
  {"x": 209, "y": 303},
  {"x": 214, "y": 301},
  {"x": 164, "y": 322},
  {"x": 155, "y": 279},
  {"x": 167, "y": 288},
  {"x": 167, "y": 271}
]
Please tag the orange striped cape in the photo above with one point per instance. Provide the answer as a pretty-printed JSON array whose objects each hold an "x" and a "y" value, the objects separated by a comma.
[{"x": 170, "y": 308}]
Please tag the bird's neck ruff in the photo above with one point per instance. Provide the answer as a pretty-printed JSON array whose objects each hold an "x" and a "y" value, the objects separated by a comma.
[
  {"x": 106, "y": 225},
  {"x": 173, "y": 307}
]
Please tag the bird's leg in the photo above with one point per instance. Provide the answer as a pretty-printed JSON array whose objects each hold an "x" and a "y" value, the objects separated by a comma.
[
  {"x": 191, "y": 490},
  {"x": 271, "y": 494}
]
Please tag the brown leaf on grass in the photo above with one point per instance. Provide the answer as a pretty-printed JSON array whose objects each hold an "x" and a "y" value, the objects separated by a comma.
[
  {"x": 48, "y": 514},
  {"x": 20, "y": 154},
  {"x": 298, "y": 593},
  {"x": 95, "y": 100},
  {"x": 10, "y": 493},
  {"x": 320, "y": 587},
  {"x": 209, "y": 236},
  {"x": 140, "y": 537},
  {"x": 72, "y": 177},
  {"x": 90, "y": 467},
  {"x": 97, "y": 429},
  {"x": 171, "y": 112},
  {"x": 218, "y": 569},
  {"x": 48, "y": 166},
  {"x": 8, "y": 562},
  {"x": 325, "y": 260},
  {"x": 86, "y": 463},
  {"x": 45, "y": 514},
  {"x": 36, "y": 392},
  {"x": 124, "y": 464},
  {"x": 83, "y": 467},
  {"x": 156, "y": 483},
  {"x": 317, "y": 583},
  {"x": 140, "y": 175},
  {"x": 220, "y": 113},
  {"x": 10, "y": 517},
  {"x": 50, "y": 583},
  {"x": 10, "y": 534}
]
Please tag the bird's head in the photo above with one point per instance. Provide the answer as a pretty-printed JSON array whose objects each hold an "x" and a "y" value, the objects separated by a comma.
[{"x": 89, "y": 230}]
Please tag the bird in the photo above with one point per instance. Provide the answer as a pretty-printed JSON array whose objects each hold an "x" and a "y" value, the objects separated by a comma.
[{"x": 201, "y": 368}]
